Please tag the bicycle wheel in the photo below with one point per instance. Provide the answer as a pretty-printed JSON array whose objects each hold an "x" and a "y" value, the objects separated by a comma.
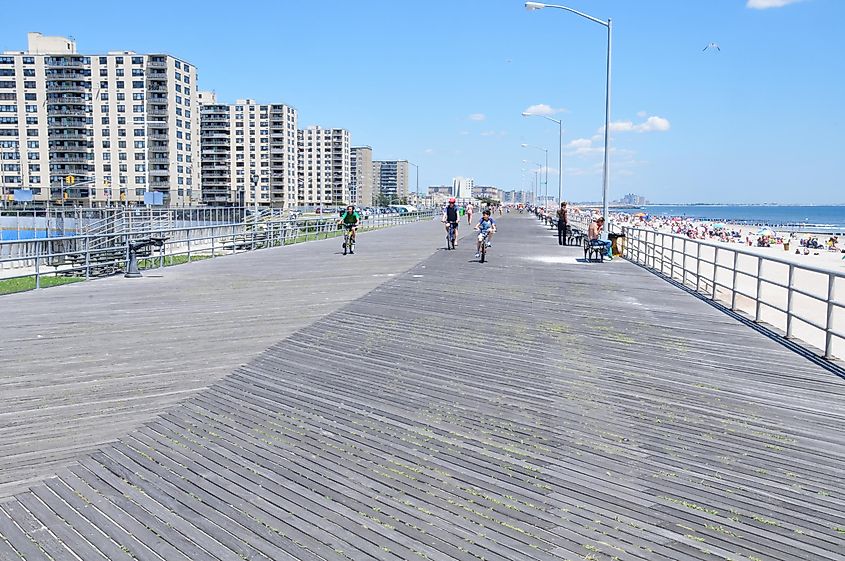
[{"x": 483, "y": 251}]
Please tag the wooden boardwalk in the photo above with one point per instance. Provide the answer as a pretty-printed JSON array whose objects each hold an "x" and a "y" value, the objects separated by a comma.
[{"x": 533, "y": 408}]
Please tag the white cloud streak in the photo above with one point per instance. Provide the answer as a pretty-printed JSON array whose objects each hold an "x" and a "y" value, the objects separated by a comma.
[
  {"x": 652, "y": 124},
  {"x": 477, "y": 117},
  {"x": 542, "y": 109},
  {"x": 766, "y": 4}
]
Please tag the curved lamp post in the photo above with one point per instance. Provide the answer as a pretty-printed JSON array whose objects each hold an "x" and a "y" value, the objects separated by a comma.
[
  {"x": 546, "y": 181},
  {"x": 560, "y": 148},
  {"x": 532, "y": 6}
]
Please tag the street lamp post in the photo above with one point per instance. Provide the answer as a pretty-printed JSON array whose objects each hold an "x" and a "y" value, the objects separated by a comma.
[
  {"x": 531, "y": 6},
  {"x": 546, "y": 182},
  {"x": 417, "y": 188},
  {"x": 560, "y": 155}
]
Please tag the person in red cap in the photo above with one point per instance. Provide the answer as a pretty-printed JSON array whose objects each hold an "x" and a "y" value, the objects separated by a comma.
[{"x": 451, "y": 217}]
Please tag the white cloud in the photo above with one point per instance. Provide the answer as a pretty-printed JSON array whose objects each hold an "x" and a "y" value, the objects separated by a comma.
[
  {"x": 494, "y": 133},
  {"x": 542, "y": 109},
  {"x": 766, "y": 4},
  {"x": 641, "y": 114},
  {"x": 651, "y": 124},
  {"x": 464, "y": 133},
  {"x": 428, "y": 151},
  {"x": 477, "y": 117}
]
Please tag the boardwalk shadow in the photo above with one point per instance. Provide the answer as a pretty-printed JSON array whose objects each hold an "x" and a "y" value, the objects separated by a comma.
[{"x": 761, "y": 328}]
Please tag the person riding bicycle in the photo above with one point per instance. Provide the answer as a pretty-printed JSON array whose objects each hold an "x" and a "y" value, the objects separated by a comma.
[
  {"x": 350, "y": 220},
  {"x": 451, "y": 217},
  {"x": 486, "y": 228}
]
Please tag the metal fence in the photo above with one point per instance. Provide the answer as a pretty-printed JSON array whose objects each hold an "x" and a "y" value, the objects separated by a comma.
[
  {"x": 88, "y": 255},
  {"x": 798, "y": 300}
]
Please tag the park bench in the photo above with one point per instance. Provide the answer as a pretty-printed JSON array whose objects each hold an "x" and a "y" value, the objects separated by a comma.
[{"x": 593, "y": 252}]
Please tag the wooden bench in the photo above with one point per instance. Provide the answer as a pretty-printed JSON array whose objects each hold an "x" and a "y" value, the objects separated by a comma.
[{"x": 593, "y": 252}]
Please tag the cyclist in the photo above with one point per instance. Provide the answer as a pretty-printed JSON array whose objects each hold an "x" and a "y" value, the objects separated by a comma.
[
  {"x": 350, "y": 220},
  {"x": 486, "y": 228},
  {"x": 451, "y": 217}
]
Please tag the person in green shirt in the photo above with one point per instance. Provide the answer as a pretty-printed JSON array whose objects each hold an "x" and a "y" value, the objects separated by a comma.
[{"x": 350, "y": 220}]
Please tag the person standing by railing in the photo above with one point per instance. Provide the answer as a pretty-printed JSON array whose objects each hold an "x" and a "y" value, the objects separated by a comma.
[{"x": 562, "y": 224}]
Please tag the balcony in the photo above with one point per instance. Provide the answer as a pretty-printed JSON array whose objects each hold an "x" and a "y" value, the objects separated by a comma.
[
  {"x": 159, "y": 172},
  {"x": 156, "y": 64},
  {"x": 67, "y": 75},
  {"x": 81, "y": 159},
  {"x": 157, "y": 73},
  {"x": 69, "y": 112},
  {"x": 54, "y": 62},
  {"x": 71, "y": 136},
  {"x": 156, "y": 87},
  {"x": 66, "y": 87},
  {"x": 158, "y": 159},
  {"x": 158, "y": 136}
]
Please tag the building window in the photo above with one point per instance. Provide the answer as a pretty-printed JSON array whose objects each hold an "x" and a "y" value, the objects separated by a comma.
[
  {"x": 118, "y": 60},
  {"x": 104, "y": 60},
  {"x": 137, "y": 84},
  {"x": 137, "y": 60},
  {"x": 104, "y": 72}
]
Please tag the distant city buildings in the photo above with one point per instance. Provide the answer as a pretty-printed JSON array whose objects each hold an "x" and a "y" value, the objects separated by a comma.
[
  {"x": 440, "y": 190},
  {"x": 391, "y": 178},
  {"x": 632, "y": 199},
  {"x": 517, "y": 197},
  {"x": 362, "y": 182},
  {"x": 462, "y": 187},
  {"x": 248, "y": 150},
  {"x": 96, "y": 129},
  {"x": 325, "y": 159},
  {"x": 486, "y": 192}
]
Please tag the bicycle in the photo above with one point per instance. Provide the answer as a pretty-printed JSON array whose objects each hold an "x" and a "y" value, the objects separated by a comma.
[
  {"x": 482, "y": 237},
  {"x": 348, "y": 240},
  {"x": 450, "y": 235}
]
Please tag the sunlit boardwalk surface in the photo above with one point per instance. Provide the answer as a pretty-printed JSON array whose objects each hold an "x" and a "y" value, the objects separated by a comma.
[{"x": 533, "y": 407}]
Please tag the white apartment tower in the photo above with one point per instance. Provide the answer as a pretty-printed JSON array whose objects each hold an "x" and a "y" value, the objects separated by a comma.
[
  {"x": 248, "y": 149},
  {"x": 325, "y": 160},
  {"x": 362, "y": 183},
  {"x": 391, "y": 178},
  {"x": 462, "y": 187},
  {"x": 97, "y": 129}
]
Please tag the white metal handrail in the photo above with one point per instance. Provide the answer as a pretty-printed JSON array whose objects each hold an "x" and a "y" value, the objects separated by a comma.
[
  {"x": 709, "y": 267},
  {"x": 82, "y": 253}
]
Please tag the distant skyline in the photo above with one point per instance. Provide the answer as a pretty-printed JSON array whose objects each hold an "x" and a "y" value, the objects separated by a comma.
[{"x": 442, "y": 84}]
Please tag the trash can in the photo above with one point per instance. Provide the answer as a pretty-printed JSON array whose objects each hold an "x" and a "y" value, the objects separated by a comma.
[
  {"x": 786, "y": 245},
  {"x": 617, "y": 243}
]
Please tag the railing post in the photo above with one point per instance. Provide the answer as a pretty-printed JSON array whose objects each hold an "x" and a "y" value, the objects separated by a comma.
[
  {"x": 213, "y": 237},
  {"x": 87, "y": 242},
  {"x": 672, "y": 257},
  {"x": 733, "y": 283},
  {"x": 37, "y": 264},
  {"x": 697, "y": 266},
  {"x": 189, "y": 246},
  {"x": 715, "y": 268},
  {"x": 831, "y": 295},
  {"x": 684, "y": 263},
  {"x": 759, "y": 288},
  {"x": 789, "y": 301}
]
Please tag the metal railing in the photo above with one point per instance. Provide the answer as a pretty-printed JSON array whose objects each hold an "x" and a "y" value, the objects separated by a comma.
[
  {"x": 798, "y": 300},
  {"x": 88, "y": 255}
]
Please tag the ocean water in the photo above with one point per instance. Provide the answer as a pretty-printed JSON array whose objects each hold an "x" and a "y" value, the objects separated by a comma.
[{"x": 800, "y": 217}]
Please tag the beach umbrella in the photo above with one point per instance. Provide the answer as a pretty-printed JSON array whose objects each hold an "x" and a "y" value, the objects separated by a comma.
[{"x": 765, "y": 231}]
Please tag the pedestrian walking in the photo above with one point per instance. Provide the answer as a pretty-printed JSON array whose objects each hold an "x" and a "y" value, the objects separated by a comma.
[{"x": 562, "y": 224}]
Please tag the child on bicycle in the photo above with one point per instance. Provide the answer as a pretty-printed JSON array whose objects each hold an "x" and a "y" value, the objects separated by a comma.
[
  {"x": 350, "y": 220},
  {"x": 486, "y": 228}
]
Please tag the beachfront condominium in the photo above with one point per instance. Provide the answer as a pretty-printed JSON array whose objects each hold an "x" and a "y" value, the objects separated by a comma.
[
  {"x": 97, "y": 129},
  {"x": 325, "y": 160},
  {"x": 391, "y": 177},
  {"x": 462, "y": 187},
  {"x": 362, "y": 184},
  {"x": 248, "y": 151}
]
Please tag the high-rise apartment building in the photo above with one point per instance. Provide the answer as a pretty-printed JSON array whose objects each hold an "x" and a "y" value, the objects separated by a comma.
[
  {"x": 97, "y": 129},
  {"x": 362, "y": 183},
  {"x": 391, "y": 178},
  {"x": 462, "y": 187},
  {"x": 325, "y": 160},
  {"x": 248, "y": 149}
]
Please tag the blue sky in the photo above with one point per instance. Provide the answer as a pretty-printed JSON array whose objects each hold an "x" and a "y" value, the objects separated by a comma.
[{"x": 443, "y": 84}]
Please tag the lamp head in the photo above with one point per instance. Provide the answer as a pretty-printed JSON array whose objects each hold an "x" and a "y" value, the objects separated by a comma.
[
  {"x": 531, "y": 6},
  {"x": 526, "y": 114}
]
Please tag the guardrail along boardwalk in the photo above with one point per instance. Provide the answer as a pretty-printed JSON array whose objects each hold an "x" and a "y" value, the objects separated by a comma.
[{"x": 534, "y": 407}]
